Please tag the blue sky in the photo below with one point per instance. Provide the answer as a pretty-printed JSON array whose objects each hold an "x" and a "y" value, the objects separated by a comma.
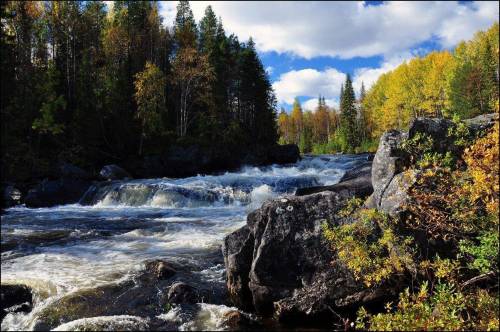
[{"x": 309, "y": 47}]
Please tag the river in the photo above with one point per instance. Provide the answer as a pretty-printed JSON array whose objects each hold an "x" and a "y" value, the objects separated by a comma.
[{"x": 67, "y": 248}]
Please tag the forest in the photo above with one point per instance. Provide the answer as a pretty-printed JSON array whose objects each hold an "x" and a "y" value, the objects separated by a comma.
[
  {"x": 91, "y": 83},
  {"x": 459, "y": 84}
]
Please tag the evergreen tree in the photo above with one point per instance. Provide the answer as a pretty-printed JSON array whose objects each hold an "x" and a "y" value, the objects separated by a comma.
[
  {"x": 185, "y": 26},
  {"x": 348, "y": 115}
]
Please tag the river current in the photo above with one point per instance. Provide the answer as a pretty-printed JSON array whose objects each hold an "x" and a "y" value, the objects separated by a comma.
[{"x": 121, "y": 225}]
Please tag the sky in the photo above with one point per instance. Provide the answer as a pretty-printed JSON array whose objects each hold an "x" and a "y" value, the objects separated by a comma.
[{"x": 308, "y": 48}]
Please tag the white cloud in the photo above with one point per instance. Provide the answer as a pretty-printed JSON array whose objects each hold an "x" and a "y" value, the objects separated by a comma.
[
  {"x": 269, "y": 70},
  {"x": 346, "y": 29},
  {"x": 308, "y": 83},
  {"x": 311, "y": 104},
  {"x": 460, "y": 26},
  {"x": 369, "y": 75}
]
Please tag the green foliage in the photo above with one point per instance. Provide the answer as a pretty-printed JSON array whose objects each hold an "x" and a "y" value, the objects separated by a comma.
[
  {"x": 434, "y": 159},
  {"x": 482, "y": 256},
  {"x": 352, "y": 205},
  {"x": 80, "y": 81},
  {"x": 47, "y": 124},
  {"x": 417, "y": 146},
  {"x": 459, "y": 132},
  {"x": 443, "y": 308},
  {"x": 420, "y": 311},
  {"x": 369, "y": 247}
]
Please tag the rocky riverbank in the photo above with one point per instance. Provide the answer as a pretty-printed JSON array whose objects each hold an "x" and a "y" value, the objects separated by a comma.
[
  {"x": 68, "y": 183},
  {"x": 279, "y": 264}
]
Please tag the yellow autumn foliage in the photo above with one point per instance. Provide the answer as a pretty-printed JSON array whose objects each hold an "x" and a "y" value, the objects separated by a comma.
[{"x": 482, "y": 160}]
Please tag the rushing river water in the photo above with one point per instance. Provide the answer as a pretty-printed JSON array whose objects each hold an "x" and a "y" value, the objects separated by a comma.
[{"x": 63, "y": 249}]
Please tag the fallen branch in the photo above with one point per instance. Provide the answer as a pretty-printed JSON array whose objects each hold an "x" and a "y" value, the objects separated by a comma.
[{"x": 477, "y": 279}]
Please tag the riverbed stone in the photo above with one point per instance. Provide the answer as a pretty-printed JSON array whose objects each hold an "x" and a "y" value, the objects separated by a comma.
[
  {"x": 161, "y": 269},
  {"x": 11, "y": 196},
  {"x": 180, "y": 293},
  {"x": 114, "y": 172},
  {"x": 56, "y": 192},
  {"x": 15, "y": 298}
]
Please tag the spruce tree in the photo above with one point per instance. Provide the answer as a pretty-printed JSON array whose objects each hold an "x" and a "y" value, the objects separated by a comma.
[{"x": 348, "y": 115}]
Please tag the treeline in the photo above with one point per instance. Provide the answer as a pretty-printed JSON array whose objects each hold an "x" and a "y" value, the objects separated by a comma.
[
  {"x": 463, "y": 83},
  {"x": 327, "y": 130},
  {"x": 90, "y": 84}
]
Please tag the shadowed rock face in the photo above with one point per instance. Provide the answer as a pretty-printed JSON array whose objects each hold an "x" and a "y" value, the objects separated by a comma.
[{"x": 280, "y": 263}]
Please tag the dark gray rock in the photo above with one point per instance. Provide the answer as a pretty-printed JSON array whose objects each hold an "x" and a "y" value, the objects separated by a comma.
[
  {"x": 161, "y": 269},
  {"x": 182, "y": 293},
  {"x": 436, "y": 128},
  {"x": 114, "y": 172},
  {"x": 482, "y": 122},
  {"x": 56, "y": 192},
  {"x": 396, "y": 194},
  {"x": 388, "y": 161},
  {"x": 15, "y": 298},
  {"x": 238, "y": 252},
  {"x": 11, "y": 196},
  {"x": 288, "y": 228},
  {"x": 355, "y": 182},
  {"x": 279, "y": 263},
  {"x": 70, "y": 171}
]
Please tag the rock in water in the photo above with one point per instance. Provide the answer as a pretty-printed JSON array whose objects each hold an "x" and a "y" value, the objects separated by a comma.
[
  {"x": 355, "y": 182},
  {"x": 180, "y": 293},
  {"x": 280, "y": 263},
  {"x": 11, "y": 196},
  {"x": 56, "y": 192},
  {"x": 15, "y": 298},
  {"x": 161, "y": 269},
  {"x": 114, "y": 172}
]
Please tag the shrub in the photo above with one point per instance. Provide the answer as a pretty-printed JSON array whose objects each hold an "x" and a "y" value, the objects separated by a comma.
[
  {"x": 444, "y": 308},
  {"x": 370, "y": 248}
]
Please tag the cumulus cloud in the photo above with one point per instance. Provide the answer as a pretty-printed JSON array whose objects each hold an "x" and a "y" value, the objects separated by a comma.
[
  {"x": 308, "y": 83},
  {"x": 311, "y": 104},
  {"x": 368, "y": 75},
  {"x": 269, "y": 70},
  {"x": 346, "y": 29}
]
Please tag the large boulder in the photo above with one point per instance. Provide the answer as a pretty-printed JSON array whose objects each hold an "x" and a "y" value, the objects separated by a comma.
[
  {"x": 388, "y": 161},
  {"x": 114, "y": 172},
  {"x": 56, "y": 192},
  {"x": 298, "y": 283},
  {"x": 182, "y": 293},
  {"x": 481, "y": 122},
  {"x": 390, "y": 184},
  {"x": 306, "y": 281},
  {"x": 11, "y": 196}
]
